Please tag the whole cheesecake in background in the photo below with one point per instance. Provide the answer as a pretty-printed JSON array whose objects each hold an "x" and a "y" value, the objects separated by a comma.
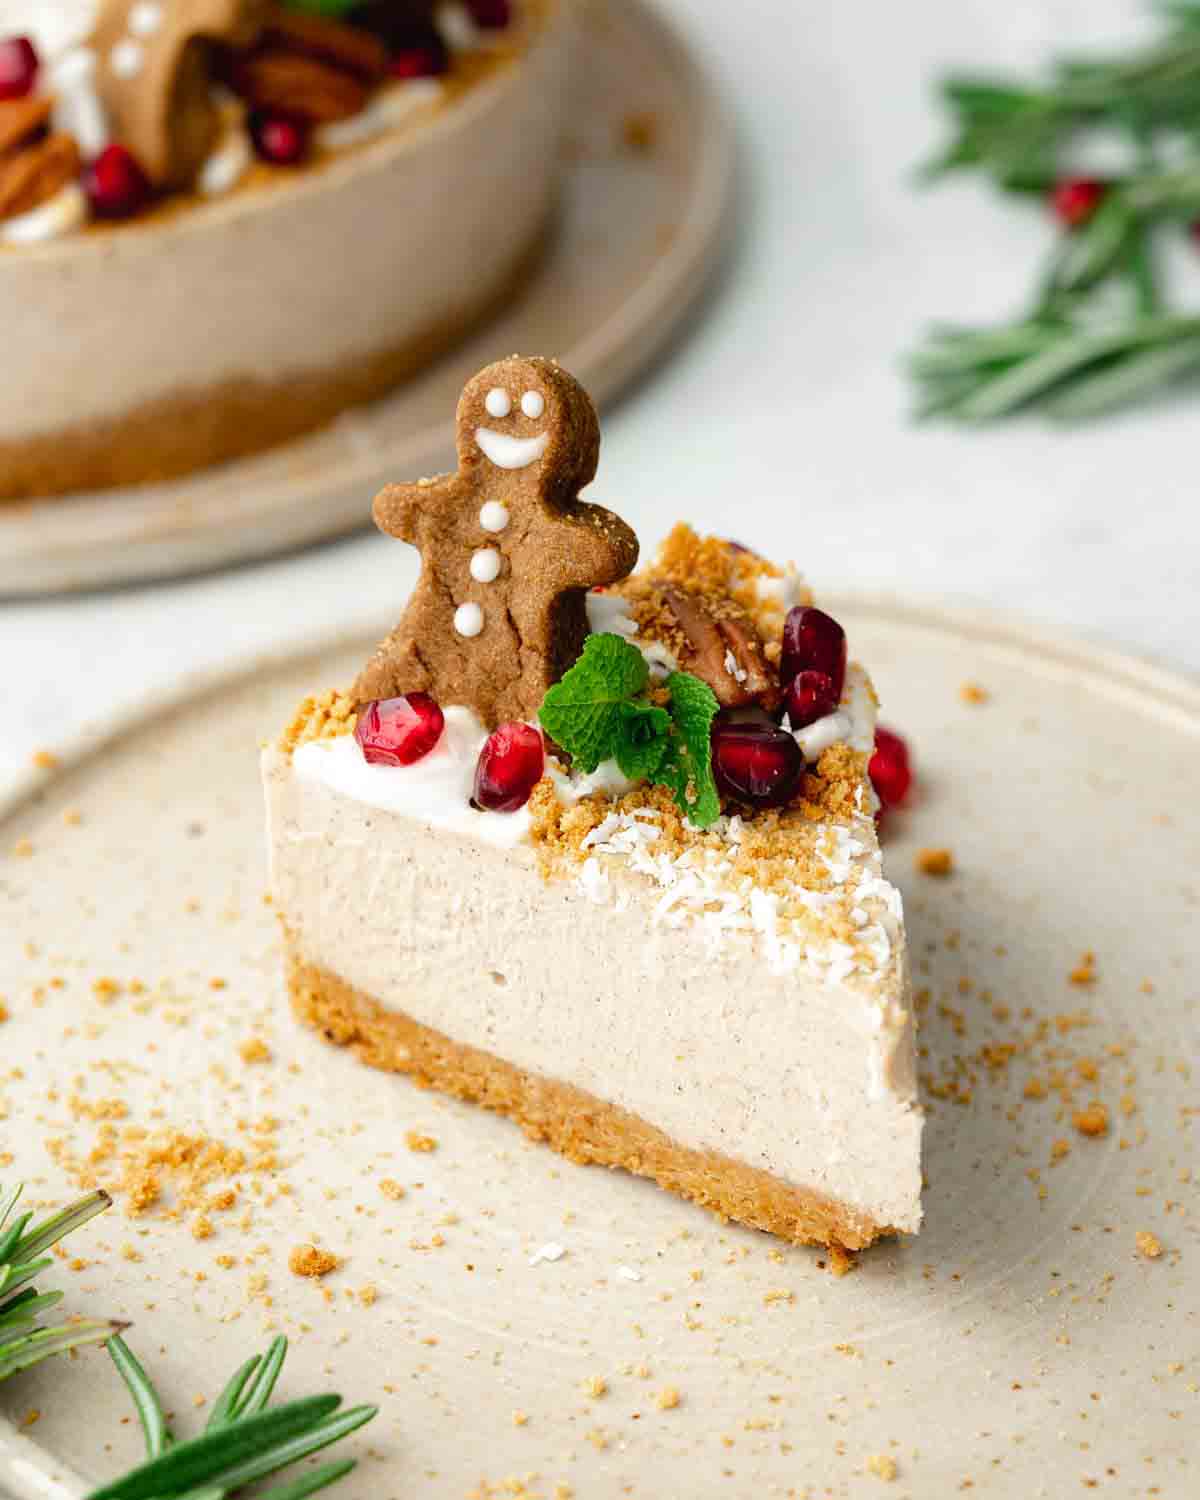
[
  {"x": 223, "y": 222},
  {"x": 596, "y": 848}
]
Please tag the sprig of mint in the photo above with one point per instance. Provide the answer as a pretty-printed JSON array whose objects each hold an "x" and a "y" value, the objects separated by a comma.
[{"x": 600, "y": 711}]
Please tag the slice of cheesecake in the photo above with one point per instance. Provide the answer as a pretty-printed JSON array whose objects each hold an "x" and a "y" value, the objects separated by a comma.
[{"x": 700, "y": 975}]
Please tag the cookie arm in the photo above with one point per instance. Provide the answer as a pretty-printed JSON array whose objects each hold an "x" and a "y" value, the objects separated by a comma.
[
  {"x": 602, "y": 548},
  {"x": 396, "y": 509}
]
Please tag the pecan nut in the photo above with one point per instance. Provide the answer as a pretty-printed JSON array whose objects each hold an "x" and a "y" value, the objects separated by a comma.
[
  {"x": 724, "y": 650},
  {"x": 34, "y": 175},
  {"x": 292, "y": 84},
  {"x": 22, "y": 118},
  {"x": 348, "y": 47}
]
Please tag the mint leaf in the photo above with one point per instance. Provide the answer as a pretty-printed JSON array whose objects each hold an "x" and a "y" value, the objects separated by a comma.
[
  {"x": 582, "y": 713},
  {"x": 686, "y": 768},
  {"x": 642, "y": 735}
]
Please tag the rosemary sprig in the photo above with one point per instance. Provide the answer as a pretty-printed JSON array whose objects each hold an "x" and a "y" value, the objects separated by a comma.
[
  {"x": 23, "y": 1341},
  {"x": 244, "y": 1441},
  {"x": 1098, "y": 334}
]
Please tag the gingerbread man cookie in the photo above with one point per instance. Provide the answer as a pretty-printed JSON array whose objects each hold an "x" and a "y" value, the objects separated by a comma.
[
  {"x": 508, "y": 551},
  {"x": 154, "y": 76}
]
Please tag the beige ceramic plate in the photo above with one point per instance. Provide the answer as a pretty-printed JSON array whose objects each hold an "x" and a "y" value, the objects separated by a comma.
[
  {"x": 637, "y": 235},
  {"x": 1021, "y": 1346}
]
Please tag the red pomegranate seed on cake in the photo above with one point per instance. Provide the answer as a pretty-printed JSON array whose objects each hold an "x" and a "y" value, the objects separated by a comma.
[
  {"x": 891, "y": 773},
  {"x": 810, "y": 696},
  {"x": 813, "y": 642},
  {"x": 492, "y": 15},
  {"x": 399, "y": 731},
  {"x": 116, "y": 186},
  {"x": 756, "y": 762},
  {"x": 280, "y": 139},
  {"x": 424, "y": 61},
  {"x": 1075, "y": 199},
  {"x": 18, "y": 67},
  {"x": 510, "y": 765}
]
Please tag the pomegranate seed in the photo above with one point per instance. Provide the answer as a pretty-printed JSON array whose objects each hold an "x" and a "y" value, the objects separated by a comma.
[
  {"x": 756, "y": 762},
  {"x": 116, "y": 186},
  {"x": 510, "y": 765},
  {"x": 1076, "y": 199},
  {"x": 426, "y": 59},
  {"x": 490, "y": 14},
  {"x": 280, "y": 139},
  {"x": 890, "y": 771},
  {"x": 810, "y": 696},
  {"x": 399, "y": 731},
  {"x": 813, "y": 642},
  {"x": 18, "y": 67}
]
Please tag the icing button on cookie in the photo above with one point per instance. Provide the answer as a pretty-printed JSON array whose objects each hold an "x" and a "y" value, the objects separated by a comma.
[
  {"x": 485, "y": 565},
  {"x": 468, "y": 619},
  {"x": 533, "y": 404},
  {"x": 498, "y": 402},
  {"x": 493, "y": 516}
]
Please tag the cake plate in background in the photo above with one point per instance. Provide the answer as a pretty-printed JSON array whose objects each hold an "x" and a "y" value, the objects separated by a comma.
[{"x": 645, "y": 199}]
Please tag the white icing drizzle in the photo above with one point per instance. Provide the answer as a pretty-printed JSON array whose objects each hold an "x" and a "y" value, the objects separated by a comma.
[
  {"x": 468, "y": 619},
  {"x": 508, "y": 452},
  {"x": 125, "y": 58},
  {"x": 145, "y": 18},
  {"x": 493, "y": 516},
  {"x": 533, "y": 404},
  {"x": 78, "y": 110},
  {"x": 61, "y": 215},
  {"x": 485, "y": 565},
  {"x": 498, "y": 402}
]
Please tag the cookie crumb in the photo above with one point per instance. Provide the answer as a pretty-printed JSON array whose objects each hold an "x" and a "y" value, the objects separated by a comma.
[
  {"x": 596, "y": 1386},
  {"x": 390, "y": 1188},
  {"x": 415, "y": 1141},
  {"x": 45, "y": 760},
  {"x": 1084, "y": 972},
  {"x": 938, "y": 862},
  {"x": 639, "y": 131},
  {"x": 254, "y": 1050},
  {"x": 23, "y": 848},
  {"x": 882, "y": 1465},
  {"x": 1091, "y": 1121},
  {"x": 974, "y": 692},
  {"x": 1148, "y": 1244},
  {"x": 668, "y": 1398},
  {"x": 307, "y": 1260}
]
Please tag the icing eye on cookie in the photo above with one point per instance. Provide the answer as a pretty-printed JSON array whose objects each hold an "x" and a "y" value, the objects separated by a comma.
[
  {"x": 498, "y": 402},
  {"x": 533, "y": 404}
]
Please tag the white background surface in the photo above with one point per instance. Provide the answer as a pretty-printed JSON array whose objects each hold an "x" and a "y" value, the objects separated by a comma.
[{"x": 782, "y": 419}]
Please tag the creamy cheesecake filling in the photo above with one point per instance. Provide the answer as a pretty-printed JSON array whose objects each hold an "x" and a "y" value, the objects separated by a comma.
[{"x": 799, "y": 1076}]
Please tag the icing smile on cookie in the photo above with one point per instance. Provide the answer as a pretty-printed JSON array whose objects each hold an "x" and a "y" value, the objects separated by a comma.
[{"x": 511, "y": 452}]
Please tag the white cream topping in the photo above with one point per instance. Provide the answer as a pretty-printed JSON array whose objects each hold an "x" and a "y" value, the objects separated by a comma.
[
  {"x": 608, "y": 614},
  {"x": 457, "y": 27},
  {"x": 390, "y": 107},
  {"x": 853, "y": 722},
  {"x": 78, "y": 110},
  {"x": 508, "y": 452},
  {"x": 435, "y": 790},
  {"x": 66, "y": 212},
  {"x": 788, "y": 591},
  {"x": 228, "y": 164}
]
